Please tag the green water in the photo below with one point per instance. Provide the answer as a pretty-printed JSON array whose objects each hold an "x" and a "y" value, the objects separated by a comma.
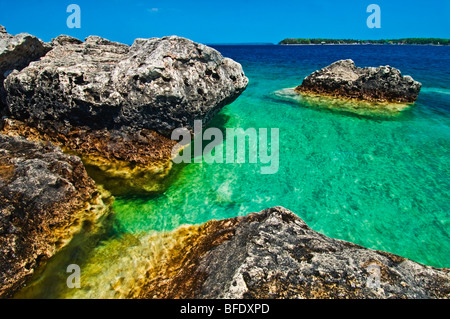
[{"x": 379, "y": 183}]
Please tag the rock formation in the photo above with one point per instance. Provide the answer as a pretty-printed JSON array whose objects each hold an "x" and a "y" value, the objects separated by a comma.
[
  {"x": 124, "y": 162},
  {"x": 116, "y": 105},
  {"x": 157, "y": 84},
  {"x": 45, "y": 197},
  {"x": 344, "y": 79},
  {"x": 274, "y": 254},
  {"x": 16, "y": 52}
]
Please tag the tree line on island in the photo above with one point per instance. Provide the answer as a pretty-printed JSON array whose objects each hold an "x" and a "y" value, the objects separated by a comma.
[{"x": 416, "y": 41}]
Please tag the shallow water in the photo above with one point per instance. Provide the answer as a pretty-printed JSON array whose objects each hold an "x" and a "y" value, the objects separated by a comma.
[{"x": 378, "y": 181}]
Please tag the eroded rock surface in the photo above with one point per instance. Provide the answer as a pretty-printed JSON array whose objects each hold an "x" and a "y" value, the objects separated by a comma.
[
  {"x": 124, "y": 162},
  {"x": 116, "y": 105},
  {"x": 16, "y": 52},
  {"x": 45, "y": 197},
  {"x": 158, "y": 84},
  {"x": 274, "y": 254},
  {"x": 344, "y": 79}
]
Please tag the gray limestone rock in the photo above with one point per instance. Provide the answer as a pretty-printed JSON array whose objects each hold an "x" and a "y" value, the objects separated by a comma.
[
  {"x": 45, "y": 195},
  {"x": 275, "y": 254},
  {"x": 344, "y": 79},
  {"x": 158, "y": 84}
]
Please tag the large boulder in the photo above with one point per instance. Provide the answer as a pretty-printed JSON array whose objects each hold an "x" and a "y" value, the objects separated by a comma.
[
  {"x": 344, "y": 79},
  {"x": 123, "y": 162},
  {"x": 45, "y": 197},
  {"x": 158, "y": 84},
  {"x": 274, "y": 254},
  {"x": 116, "y": 105},
  {"x": 16, "y": 52}
]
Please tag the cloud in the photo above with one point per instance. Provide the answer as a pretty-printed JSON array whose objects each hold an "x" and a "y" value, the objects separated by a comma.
[{"x": 153, "y": 10}]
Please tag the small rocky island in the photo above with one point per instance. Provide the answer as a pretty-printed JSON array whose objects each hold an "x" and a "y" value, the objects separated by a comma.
[{"x": 343, "y": 79}]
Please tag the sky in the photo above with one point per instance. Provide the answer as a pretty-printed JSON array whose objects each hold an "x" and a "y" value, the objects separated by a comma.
[{"x": 232, "y": 21}]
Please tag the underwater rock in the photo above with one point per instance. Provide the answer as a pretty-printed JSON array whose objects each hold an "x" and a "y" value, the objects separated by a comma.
[
  {"x": 369, "y": 109},
  {"x": 274, "y": 254},
  {"x": 116, "y": 105},
  {"x": 16, "y": 52},
  {"x": 344, "y": 79},
  {"x": 123, "y": 162},
  {"x": 46, "y": 197}
]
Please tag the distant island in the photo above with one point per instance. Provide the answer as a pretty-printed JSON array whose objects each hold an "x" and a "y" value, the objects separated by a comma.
[{"x": 413, "y": 41}]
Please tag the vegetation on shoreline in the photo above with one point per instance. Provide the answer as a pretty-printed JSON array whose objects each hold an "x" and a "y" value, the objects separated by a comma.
[{"x": 416, "y": 41}]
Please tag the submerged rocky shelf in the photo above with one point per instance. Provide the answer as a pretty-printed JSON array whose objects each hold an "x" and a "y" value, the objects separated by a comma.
[{"x": 111, "y": 107}]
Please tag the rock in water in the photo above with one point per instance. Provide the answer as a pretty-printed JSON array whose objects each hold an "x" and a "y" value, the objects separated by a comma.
[
  {"x": 45, "y": 196},
  {"x": 274, "y": 254},
  {"x": 16, "y": 52},
  {"x": 116, "y": 106},
  {"x": 157, "y": 84},
  {"x": 344, "y": 79}
]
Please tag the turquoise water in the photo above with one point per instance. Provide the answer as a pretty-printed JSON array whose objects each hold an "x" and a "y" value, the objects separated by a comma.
[{"x": 378, "y": 181}]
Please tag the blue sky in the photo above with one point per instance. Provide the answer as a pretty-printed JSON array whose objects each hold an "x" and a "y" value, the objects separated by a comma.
[{"x": 233, "y": 21}]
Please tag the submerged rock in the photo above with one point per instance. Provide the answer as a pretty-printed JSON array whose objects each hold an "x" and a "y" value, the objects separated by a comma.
[
  {"x": 116, "y": 105},
  {"x": 45, "y": 197},
  {"x": 274, "y": 254},
  {"x": 16, "y": 52},
  {"x": 344, "y": 79}
]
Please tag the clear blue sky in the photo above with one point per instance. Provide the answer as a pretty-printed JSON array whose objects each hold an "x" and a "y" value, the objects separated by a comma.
[{"x": 233, "y": 21}]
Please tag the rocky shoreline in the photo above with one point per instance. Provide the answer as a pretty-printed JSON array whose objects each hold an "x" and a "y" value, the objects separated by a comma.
[
  {"x": 116, "y": 105},
  {"x": 81, "y": 117},
  {"x": 110, "y": 106},
  {"x": 273, "y": 254},
  {"x": 46, "y": 197}
]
